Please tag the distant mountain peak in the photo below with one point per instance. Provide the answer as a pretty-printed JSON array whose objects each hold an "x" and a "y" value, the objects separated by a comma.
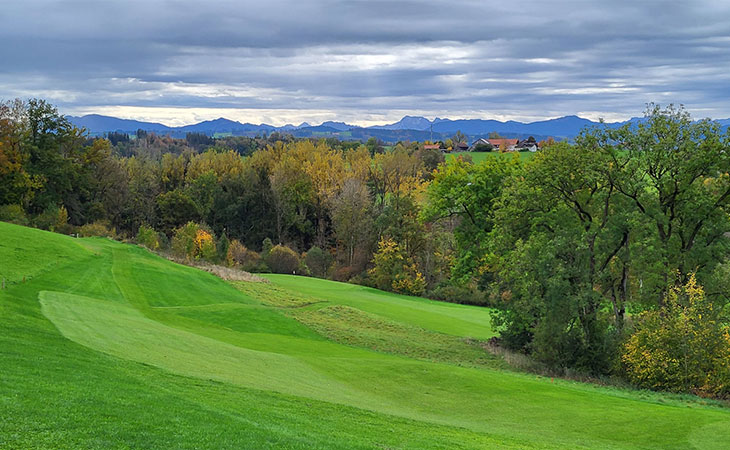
[
  {"x": 340, "y": 126},
  {"x": 408, "y": 123}
]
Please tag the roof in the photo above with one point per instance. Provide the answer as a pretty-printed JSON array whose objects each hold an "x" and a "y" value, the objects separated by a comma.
[
  {"x": 499, "y": 142},
  {"x": 431, "y": 147}
]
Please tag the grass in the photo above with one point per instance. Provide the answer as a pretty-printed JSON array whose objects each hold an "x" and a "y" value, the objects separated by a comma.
[
  {"x": 351, "y": 326},
  {"x": 108, "y": 346},
  {"x": 478, "y": 157}
]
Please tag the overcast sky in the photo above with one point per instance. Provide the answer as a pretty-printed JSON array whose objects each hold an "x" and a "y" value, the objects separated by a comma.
[{"x": 366, "y": 62}]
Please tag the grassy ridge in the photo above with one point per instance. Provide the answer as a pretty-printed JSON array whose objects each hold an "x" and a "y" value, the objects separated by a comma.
[{"x": 116, "y": 347}]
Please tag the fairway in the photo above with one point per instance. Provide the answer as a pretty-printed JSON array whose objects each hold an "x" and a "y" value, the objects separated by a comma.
[{"x": 106, "y": 345}]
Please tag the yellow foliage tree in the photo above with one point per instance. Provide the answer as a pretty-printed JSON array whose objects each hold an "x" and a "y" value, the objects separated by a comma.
[
  {"x": 395, "y": 271},
  {"x": 683, "y": 348}
]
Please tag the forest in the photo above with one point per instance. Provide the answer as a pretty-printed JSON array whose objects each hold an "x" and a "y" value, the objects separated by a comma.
[{"x": 607, "y": 255}]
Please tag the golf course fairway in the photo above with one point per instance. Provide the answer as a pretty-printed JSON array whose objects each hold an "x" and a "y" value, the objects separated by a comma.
[{"x": 106, "y": 345}]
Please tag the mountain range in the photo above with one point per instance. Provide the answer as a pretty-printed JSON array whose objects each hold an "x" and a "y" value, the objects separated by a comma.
[{"x": 412, "y": 128}]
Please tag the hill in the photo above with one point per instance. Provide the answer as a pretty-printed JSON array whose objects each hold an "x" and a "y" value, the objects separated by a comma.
[{"x": 107, "y": 345}]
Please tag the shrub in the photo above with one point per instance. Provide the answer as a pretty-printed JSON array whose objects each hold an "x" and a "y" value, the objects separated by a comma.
[
  {"x": 457, "y": 294},
  {"x": 98, "y": 229},
  {"x": 395, "y": 271},
  {"x": 205, "y": 245},
  {"x": 13, "y": 214},
  {"x": 222, "y": 247},
  {"x": 343, "y": 273},
  {"x": 148, "y": 237},
  {"x": 318, "y": 261},
  {"x": 266, "y": 247},
  {"x": 53, "y": 219},
  {"x": 409, "y": 281},
  {"x": 483, "y": 147},
  {"x": 192, "y": 241},
  {"x": 239, "y": 255},
  {"x": 282, "y": 259},
  {"x": 683, "y": 348}
]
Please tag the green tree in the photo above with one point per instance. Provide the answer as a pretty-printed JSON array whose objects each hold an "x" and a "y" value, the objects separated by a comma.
[
  {"x": 318, "y": 261},
  {"x": 174, "y": 209},
  {"x": 467, "y": 192}
]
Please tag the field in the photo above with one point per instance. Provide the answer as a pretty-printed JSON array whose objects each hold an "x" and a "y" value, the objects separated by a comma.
[
  {"x": 105, "y": 345},
  {"x": 478, "y": 157}
]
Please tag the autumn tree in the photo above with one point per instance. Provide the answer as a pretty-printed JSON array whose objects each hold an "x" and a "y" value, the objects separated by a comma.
[
  {"x": 684, "y": 348},
  {"x": 352, "y": 218}
]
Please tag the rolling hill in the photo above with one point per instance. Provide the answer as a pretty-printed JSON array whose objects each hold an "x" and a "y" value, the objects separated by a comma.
[{"x": 104, "y": 344}]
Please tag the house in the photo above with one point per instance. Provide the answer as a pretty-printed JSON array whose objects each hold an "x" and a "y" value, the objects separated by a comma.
[
  {"x": 431, "y": 146},
  {"x": 508, "y": 145},
  {"x": 527, "y": 145},
  {"x": 480, "y": 143},
  {"x": 461, "y": 147}
]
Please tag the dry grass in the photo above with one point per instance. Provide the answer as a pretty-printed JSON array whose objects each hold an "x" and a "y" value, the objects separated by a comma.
[{"x": 223, "y": 272}]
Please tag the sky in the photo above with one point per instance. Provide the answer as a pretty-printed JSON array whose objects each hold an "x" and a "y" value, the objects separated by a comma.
[{"x": 366, "y": 62}]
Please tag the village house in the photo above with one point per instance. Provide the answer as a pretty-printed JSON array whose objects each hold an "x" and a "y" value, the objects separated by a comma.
[
  {"x": 529, "y": 145},
  {"x": 497, "y": 144},
  {"x": 509, "y": 145},
  {"x": 461, "y": 147}
]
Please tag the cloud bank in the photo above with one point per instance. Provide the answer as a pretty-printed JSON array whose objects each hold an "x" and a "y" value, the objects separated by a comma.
[{"x": 366, "y": 62}]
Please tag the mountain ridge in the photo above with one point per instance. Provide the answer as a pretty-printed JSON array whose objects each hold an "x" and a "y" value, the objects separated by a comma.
[{"x": 407, "y": 128}]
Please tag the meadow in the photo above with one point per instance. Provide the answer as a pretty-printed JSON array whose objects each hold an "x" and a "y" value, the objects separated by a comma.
[
  {"x": 106, "y": 345},
  {"x": 478, "y": 157}
]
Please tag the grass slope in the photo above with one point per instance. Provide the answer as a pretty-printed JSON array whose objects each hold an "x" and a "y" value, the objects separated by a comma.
[{"x": 107, "y": 345}]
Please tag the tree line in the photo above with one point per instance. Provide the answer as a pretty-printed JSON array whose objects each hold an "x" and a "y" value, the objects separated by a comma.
[{"x": 607, "y": 255}]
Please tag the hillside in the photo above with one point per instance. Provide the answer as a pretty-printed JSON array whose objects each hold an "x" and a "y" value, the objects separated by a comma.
[{"x": 104, "y": 344}]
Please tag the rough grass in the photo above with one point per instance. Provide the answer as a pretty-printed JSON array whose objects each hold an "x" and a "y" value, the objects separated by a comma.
[
  {"x": 448, "y": 318},
  {"x": 109, "y": 346},
  {"x": 350, "y": 326},
  {"x": 272, "y": 295}
]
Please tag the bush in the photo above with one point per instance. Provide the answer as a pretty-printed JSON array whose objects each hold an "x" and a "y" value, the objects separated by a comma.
[
  {"x": 13, "y": 214},
  {"x": 409, "y": 281},
  {"x": 282, "y": 259},
  {"x": 483, "y": 147},
  {"x": 318, "y": 261},
  {"x": 683, "y": 348},
  {"x": 239, "y": 255},
  {"x": 98, "y": 229},
  {"x": 192, "y": 241},
  {"x": 148, "y": 237},
  {"x": 457, "y": 294},
  {"x": 54, "y": 219},
  {"x": 343, "y": 273},
  {"x": 395, "y": 271},
  {"x": 222, "y": 247}
]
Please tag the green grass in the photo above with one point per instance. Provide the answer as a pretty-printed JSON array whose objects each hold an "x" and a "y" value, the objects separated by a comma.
[
  {"x": 108, "y": 346},
  {"x": 478, "y": 157},
  {"x": 449, "y": 318}
]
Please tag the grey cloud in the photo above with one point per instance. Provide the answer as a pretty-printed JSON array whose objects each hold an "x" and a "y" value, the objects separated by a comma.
[{"x": 534, "y": 59}]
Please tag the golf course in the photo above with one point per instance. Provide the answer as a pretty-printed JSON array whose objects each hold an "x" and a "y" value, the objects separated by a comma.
[{"x": 107, "y": 345}]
